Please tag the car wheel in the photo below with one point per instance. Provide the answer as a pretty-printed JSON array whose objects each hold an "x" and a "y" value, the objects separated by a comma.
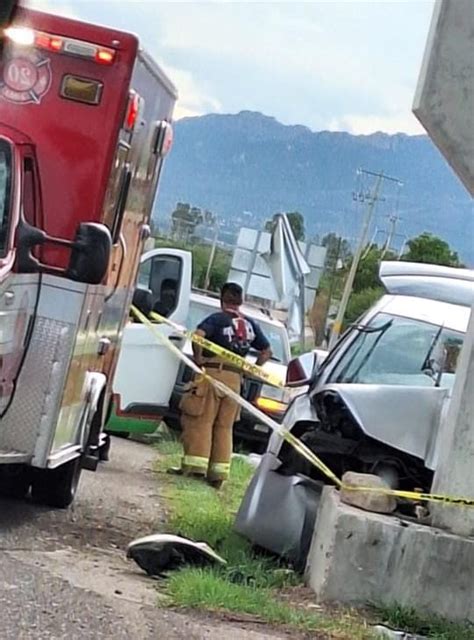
[{"x": 57, "y": 487}]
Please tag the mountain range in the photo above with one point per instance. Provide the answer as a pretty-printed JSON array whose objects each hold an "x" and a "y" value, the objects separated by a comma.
[{"x": 248, "y": 166}]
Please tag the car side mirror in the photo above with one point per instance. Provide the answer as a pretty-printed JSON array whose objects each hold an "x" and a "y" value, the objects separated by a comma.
[
  {"x": 90, "y": 252},
  {"x": 143, "y": 300},
  {"x": 302, "y": 370}
]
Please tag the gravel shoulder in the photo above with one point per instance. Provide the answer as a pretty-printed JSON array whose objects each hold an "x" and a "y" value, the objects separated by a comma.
[{"x": 63, "y": 574}]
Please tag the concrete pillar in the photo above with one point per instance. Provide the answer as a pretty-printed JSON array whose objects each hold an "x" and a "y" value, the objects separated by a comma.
[{"x": 455, "y": 473}]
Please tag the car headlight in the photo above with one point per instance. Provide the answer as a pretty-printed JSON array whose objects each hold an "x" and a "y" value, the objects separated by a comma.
[{"x": 273, "y": 399}]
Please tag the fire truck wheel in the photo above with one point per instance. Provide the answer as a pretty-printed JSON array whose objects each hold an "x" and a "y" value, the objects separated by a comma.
[{"x": 57, "y": 487}]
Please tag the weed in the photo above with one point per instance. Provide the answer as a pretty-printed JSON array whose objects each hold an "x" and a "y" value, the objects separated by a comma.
[
  {"x": 433, "y": 627},
  {"x": 250, "y": 582}
]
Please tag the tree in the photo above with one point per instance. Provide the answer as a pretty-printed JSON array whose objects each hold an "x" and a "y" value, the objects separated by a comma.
[
  {"x": 184, "y": 221},
  {"x": 361, "y": 302},
  {"x": 337, "y": 249},
  {"x": 296, "y": 220},
  {"x": 367, "y": 275},
  {"x": 201, "y": 254},
  {"x": 430, "y": 249}
]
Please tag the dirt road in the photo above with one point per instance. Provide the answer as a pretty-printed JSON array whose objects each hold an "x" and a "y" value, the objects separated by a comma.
[{"x": 63, "y": 574}]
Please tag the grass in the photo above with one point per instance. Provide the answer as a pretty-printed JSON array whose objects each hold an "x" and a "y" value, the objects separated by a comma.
[
  {"x": 250, "y": 584},
  {"x": 436, "y": 628},
  {"x": 253, "y": 584}
]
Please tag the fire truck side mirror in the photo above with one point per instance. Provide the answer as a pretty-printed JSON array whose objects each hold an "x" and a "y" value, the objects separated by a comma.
[{"x": 90, "y": 253}]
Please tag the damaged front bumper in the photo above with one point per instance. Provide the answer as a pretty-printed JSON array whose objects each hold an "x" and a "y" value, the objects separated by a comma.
[{"x": 278, "y": 511}]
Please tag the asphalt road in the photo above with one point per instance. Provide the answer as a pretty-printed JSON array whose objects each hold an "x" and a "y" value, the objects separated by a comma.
[{"x": 63, "y": 574}]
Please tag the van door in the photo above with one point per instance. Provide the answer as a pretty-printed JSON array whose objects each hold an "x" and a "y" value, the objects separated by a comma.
[{"x": 147, "y": 370}]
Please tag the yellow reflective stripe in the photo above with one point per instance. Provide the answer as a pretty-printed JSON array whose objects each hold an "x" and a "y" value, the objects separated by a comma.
[
  {"x": 195, "y": 461},
  {"x": 220, "y": 467}
]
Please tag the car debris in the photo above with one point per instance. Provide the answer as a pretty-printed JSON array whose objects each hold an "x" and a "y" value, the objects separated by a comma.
[
  {"x": 162, "y": 552},
  {"x": 385, "y": 633}
]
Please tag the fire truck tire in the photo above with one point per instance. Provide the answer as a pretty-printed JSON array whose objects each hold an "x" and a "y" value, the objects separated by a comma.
[{"x": 57, "y": 487}]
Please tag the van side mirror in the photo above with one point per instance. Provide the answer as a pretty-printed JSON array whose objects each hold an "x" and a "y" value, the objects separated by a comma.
[
  {"x": 90, "y": 252},
  {"x": 143, "y": 300}
]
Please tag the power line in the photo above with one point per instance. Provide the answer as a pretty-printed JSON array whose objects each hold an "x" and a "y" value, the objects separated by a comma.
[{"x": 370, "y": 197}]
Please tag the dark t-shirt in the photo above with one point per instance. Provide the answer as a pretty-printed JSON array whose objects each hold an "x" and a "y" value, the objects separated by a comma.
[{"x": 225, "y": 330}]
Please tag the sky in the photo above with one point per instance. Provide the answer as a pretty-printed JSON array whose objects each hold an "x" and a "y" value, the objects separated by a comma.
[{"x": 341, "y": 66}]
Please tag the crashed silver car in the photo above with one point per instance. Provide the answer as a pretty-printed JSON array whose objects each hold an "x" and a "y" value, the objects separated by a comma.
[{"x": 375, "y": 405}]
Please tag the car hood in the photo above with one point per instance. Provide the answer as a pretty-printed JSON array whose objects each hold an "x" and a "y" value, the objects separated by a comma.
[{"x": 405, "y": 418}]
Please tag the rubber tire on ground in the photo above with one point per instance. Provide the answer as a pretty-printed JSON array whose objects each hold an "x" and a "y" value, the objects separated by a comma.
[
  {"x": 15, "y": 483},
  {"x": 57, "y": 487}
]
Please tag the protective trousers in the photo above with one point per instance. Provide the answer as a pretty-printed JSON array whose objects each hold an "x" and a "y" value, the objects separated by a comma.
[{"x": 208, "y": 416}]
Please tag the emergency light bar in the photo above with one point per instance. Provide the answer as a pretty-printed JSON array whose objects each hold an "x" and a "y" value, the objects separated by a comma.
[{"x": 41, "y": 40}]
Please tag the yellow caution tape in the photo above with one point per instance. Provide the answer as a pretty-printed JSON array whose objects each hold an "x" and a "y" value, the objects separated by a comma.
[
  {"x": 299, "y": 446},
  {"x": 232, "y": 358}
]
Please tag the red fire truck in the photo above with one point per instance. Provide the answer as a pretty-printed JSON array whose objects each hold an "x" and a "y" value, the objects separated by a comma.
[{"x": 84, "y": 127}]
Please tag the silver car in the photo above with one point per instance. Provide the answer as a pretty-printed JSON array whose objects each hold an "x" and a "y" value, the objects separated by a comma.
[{"x": 375, "y": 405}]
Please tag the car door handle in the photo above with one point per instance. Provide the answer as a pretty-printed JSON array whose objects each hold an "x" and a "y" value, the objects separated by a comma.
[{"x": 175, "y": 337}]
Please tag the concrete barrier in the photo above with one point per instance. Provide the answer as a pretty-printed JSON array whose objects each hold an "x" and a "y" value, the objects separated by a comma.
[{"x": 358, "y": 557}]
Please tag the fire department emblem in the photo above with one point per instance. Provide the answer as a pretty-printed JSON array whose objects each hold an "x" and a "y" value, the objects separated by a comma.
[{"x": 25, "y": 79}]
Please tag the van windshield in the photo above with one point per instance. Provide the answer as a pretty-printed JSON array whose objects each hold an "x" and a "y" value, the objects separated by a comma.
[
  {"x": 275, "y": 335},
  {"x": 400, "y": 351},
  {"x": 5, "y": 195}
]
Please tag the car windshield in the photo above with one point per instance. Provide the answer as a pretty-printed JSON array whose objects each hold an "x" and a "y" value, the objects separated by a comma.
[
  {"x": 5, "y": 191},
  {"x": 275, "y": 335},
  {"x": 401, "y": 351}
]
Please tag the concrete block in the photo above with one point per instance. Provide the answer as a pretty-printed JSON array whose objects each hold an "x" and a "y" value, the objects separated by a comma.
[
  {"x": 358, "y": 557},
  {"x": 366, "y": 499}
]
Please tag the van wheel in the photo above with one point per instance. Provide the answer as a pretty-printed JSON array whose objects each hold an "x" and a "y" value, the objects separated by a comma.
[
  {"x": 15, "y": 481},
  {"x": 57, "y": 487}
]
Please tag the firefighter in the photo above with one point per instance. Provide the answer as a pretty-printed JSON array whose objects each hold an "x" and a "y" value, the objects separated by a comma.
[{"x": 207, "y": 414}]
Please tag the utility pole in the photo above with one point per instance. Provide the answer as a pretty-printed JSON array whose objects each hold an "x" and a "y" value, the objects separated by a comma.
[
  {"x": 212, "y": 254},
  {"x": 332, "y": 283},
  {"x": 371, "y": 198},
  {"x": 394, "y": 219}
]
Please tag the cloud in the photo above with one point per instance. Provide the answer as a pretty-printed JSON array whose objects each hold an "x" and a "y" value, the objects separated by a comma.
[
  {"x": 324, "y": 64},
  {"x": 365, "y": 124},
  {"x": 49, "y": 6},
  {"x": 192, "y": 101}
]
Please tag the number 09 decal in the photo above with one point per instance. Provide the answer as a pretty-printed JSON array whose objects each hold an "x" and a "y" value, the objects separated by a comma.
[{"x": 25, "y": 79}]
